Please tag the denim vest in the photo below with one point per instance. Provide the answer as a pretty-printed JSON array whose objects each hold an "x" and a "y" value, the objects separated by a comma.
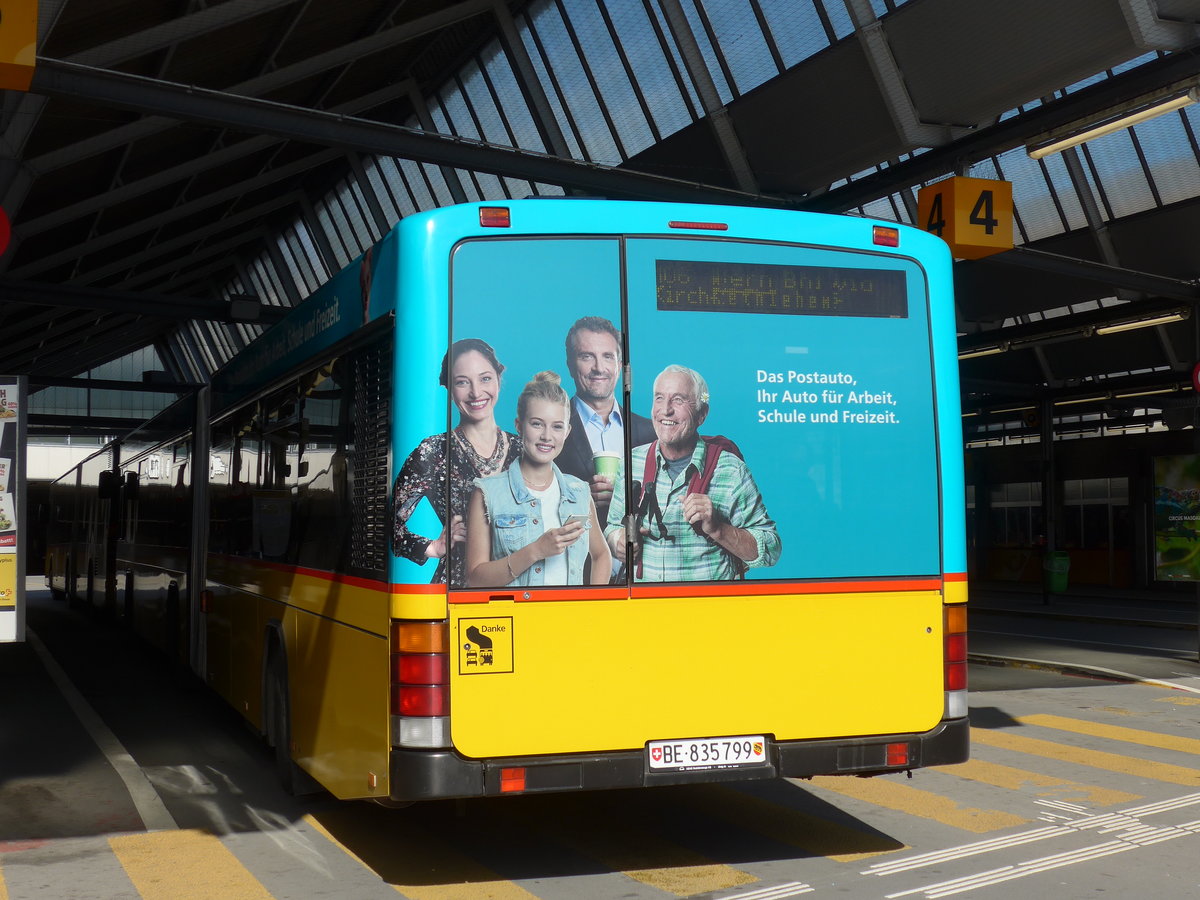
[{"x": 515, "y": 516}]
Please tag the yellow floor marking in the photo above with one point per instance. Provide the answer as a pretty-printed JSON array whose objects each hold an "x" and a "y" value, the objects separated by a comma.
[
  {"x": 814, "y": 835},
  {"x": 1116, "y": 733},
  {"x": 642, "y": 855},
  {"x": 1015, "y": 779},
  {"x": 169, "y": 865},
  {"x": 3, "y": 889},
  {"x": 1096, "y": 759},
  {"x": 915, "y": 802},
  {"x": 462, "y": 876},
  {"x": 1179, "y": 701}
]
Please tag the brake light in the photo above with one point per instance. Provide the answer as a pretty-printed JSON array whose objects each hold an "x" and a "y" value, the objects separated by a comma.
[
  {"x": 954, "y": 658},
  {"x": 413, "y": 668},
  {"x": 885, "y": 236},
  {"x": 421, "y": 700},
  {"x": 420, "y": 670},
  {"x": 897, "y": 754},
  {"x": 700, "y": 226},
  {"x": 512, "y": 780},
  {"x": 495, "y": 217}
]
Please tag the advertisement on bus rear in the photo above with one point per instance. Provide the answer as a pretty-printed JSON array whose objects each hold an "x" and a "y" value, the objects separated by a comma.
[{"x": 673, "y": 410}]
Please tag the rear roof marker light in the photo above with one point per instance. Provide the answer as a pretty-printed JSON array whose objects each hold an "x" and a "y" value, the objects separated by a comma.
[
  {"x": 700, "y": 226},
  {"x": 885, "y": 236},
  {"x": 495, "y": 217}
]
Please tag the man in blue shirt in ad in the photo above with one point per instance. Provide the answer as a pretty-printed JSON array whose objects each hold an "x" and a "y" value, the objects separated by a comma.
[{"x": 593, "y": 348}]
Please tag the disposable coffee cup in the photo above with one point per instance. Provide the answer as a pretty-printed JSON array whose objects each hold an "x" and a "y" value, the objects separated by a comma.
[{"x": 606, "y": 463}]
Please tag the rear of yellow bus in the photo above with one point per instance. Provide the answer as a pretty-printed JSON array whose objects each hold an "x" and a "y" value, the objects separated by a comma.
[{"x": 826, "y": 357}]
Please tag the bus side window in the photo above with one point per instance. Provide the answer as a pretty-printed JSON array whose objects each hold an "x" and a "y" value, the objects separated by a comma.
[{"x": 322, "y": 507}]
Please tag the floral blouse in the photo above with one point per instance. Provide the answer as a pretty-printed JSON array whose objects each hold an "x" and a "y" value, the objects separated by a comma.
[{"x": 423, "y": 475}]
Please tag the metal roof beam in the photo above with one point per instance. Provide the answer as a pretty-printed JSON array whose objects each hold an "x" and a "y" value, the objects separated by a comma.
[
  {"x": 1012, "y": 132},
  {"x": 185, "y": 241},
  {"x": 228, "y": 195},
  {"x": 1144, "y": 282},
  {"x": 221, "y": 248},
  {"x": 248, "y": 114},
  {"x": 157, "y": 37},
  {"x": 96, "y": 347},
  {"x": 103, "y": 384},
  {"x": 161, "y": 179},
  {"x": 168, "y": 117},
  {"x": 152, "y": 305},
  {"x": 47, "y": 424}
]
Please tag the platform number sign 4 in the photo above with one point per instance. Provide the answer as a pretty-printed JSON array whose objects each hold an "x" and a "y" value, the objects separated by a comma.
[{"x": 972, "y": 215}]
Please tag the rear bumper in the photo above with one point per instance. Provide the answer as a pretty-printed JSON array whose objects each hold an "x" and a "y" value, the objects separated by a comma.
[{"x": 436, "y": 774}]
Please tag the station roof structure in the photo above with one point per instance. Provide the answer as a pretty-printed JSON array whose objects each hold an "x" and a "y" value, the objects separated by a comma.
[{"x": 179, "y": 172}]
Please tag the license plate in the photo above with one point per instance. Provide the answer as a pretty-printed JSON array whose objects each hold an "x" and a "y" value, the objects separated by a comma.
[{"x": 708, "y": 753}]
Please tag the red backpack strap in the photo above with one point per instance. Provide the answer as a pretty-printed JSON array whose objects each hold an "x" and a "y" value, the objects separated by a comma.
[
  {"x": 650, "y": 471},
  {"x": 649, "y": 476},
  {"x": 716, "y": 445}
]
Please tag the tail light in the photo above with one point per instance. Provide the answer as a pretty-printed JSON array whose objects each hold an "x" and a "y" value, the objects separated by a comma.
[
  {"x": 495, "y": 217},
  {"x": 955, "y": 659},
  {"x": 420, "y": 684},
  {"x": 885, "y": 236}
]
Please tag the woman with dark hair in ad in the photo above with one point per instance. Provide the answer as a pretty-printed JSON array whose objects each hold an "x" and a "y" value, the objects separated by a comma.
[{"x": 476, "y": 448}]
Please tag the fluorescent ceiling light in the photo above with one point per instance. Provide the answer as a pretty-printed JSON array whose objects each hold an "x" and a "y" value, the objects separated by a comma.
[
  {"x": 1134, "y": 117},
  {"x": 982, "y": 351},
  {"x": 1073, "y": 400},
  {"x": 1149, "y": 322},
  {"x": 1169, "y": 390}
]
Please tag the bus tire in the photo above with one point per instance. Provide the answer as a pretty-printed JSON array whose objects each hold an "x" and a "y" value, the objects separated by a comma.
[
  {"x": 279, "y": 733},
  {"x": 294, "y": 780}
]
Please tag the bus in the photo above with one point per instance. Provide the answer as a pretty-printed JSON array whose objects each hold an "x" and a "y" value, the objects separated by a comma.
[{"x": 566, "y": 494}]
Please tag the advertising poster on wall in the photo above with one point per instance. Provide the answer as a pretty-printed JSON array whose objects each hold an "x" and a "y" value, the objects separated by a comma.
[
  {"x": 1177, "y": 518},
  {"x": 12, "y": 494}
]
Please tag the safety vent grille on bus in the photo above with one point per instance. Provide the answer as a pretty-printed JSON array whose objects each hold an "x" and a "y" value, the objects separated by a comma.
[{"x": 372, "y": 396}]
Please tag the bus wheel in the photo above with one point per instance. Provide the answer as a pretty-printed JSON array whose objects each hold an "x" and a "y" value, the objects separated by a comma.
[
  {"x": 279, "y": 731},
  {"x": 294, "y": 780}
]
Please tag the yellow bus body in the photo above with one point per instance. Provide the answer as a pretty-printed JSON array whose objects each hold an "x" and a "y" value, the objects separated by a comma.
[
  {"x": 335, "y": 635},
  {"x": 602, "y": 675}
]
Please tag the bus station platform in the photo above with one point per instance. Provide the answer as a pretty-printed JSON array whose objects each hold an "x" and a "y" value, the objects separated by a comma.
[
  {"x": 1124, "y": 634},
  {"x": 64, "y": 773}
]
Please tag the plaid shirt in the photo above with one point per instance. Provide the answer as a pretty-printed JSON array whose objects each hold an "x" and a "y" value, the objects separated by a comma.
[{"x": 686, "y": 555}]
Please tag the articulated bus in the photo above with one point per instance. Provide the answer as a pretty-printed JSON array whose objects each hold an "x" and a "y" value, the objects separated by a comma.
[{"x": 565, "y": 494}]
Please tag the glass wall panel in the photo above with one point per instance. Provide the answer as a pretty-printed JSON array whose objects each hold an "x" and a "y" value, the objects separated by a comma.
[
  {"x": 742, "y": 43},
  {"x": 1170, "y": 155}
]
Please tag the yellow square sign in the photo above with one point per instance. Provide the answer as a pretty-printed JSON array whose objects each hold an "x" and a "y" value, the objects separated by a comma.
[
  {"x": 18, "y": 43},
  {"x": 485, "y": 646},
  {"x": 973, "y": 215}
]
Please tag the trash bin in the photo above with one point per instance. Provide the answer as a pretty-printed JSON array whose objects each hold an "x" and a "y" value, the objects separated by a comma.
[{"x": 1055, "y": 568}]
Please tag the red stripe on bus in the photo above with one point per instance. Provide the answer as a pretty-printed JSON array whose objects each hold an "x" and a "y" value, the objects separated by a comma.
[
  {"x": 418, "y": 589},
  {"x": 749, "y": 588},
  {"x": 353, "y": 581},
  {"x": 722, "y": 589},
  {"x": 540, "y": 594},
  {"x": 955, "y": 576}
]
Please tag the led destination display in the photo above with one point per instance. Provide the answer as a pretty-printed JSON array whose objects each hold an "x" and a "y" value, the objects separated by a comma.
[{"x": 694, "y": 286}]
